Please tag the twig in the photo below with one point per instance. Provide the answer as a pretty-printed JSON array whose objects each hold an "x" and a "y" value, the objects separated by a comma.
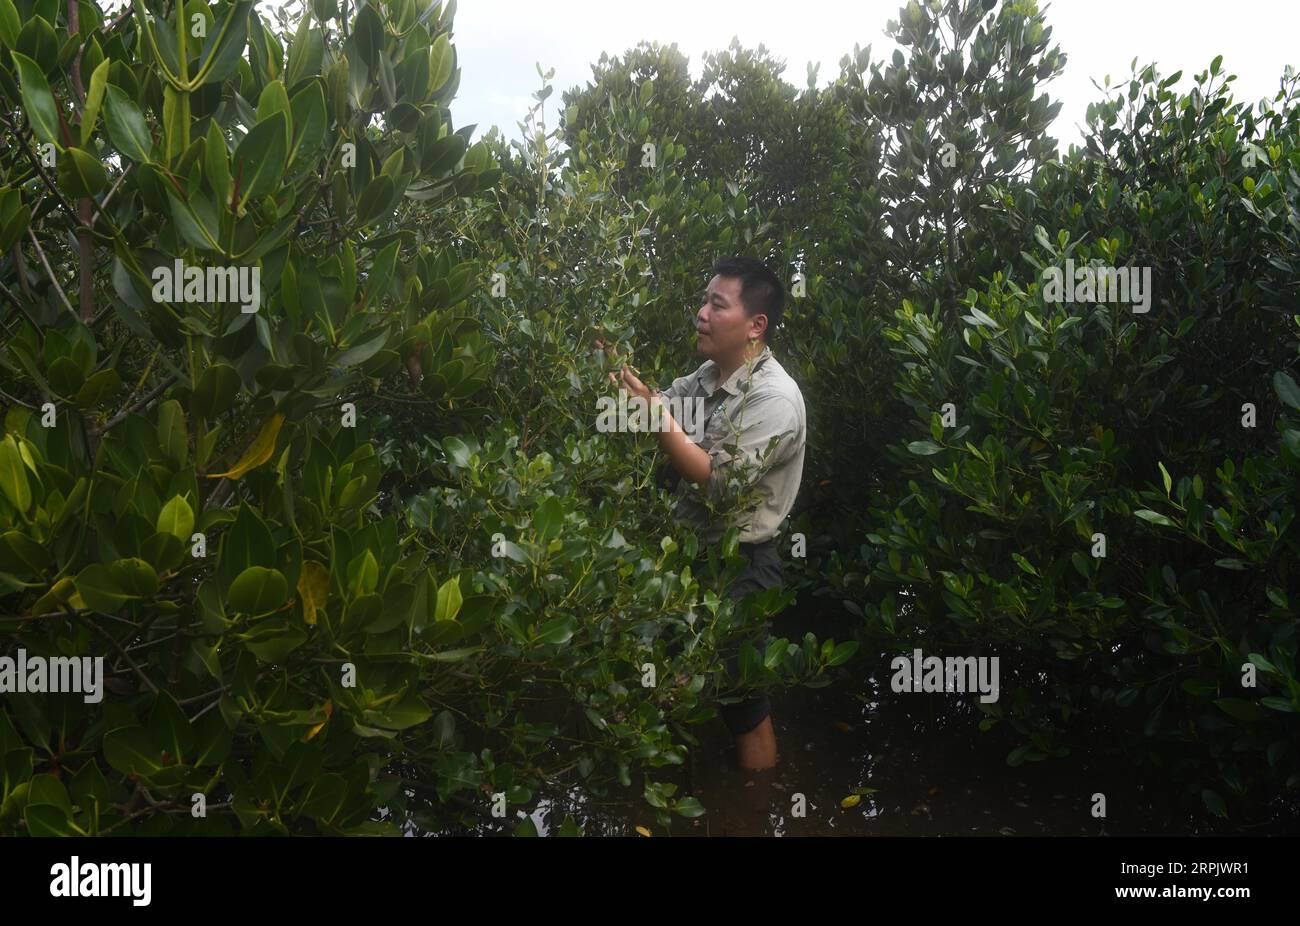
[
  {"x": 40, "y": 169},
  {"x": 129, "y": 661},
  {"x": 20, "y": 306},
  {"x": 101, "y": 206},
  {"x": 48, "y": 272},
  {"x": 125, "y": 413}
]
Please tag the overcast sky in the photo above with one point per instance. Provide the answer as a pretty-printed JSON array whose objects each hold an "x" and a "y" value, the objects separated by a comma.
[{"x": 500, "y": 42}]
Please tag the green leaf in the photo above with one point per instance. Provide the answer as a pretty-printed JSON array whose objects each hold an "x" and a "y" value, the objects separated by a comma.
[
  {"x": 1024, "y": 564},
  {"x": 1287, "y": 389},
  {"x": 10, "y": 24},
  {"x": 363, "y": 574},
  {"x": 842, "y": 653},
  {"x": 441, "y": 57},
  {"x": 224, "y": 48},
  {"x": 1164, "y": 475},
  {"x": 170, "y": 728},
  {"x": 689, "y": 806},
  {"x": 215, "y": 392},
  {"x": 126, "y": 126},
  {"x": 216, "y": 165},
  {"x": 260, "y": 158},
  {"x": 548, "y": 519},
  {"x": 457, "y": 451},
  {"x": 131, "y": 750},
  {"x": 249, "y": 543},
  {"x": 258, "y": 590},
  {"x": 558, "y": 630},
  {"x": 47, "y": 820},
  {"x": 361, "y": 352},
  {"x": 99, "y": 589},
  {"x": 80, "y": 174},
  {"x": 1214, "y": 803},
  {"x": 273, "y": 99},
  {"x": 196, "y": 221},
  {"x": 1154, "y": 517},
  {"x": 923, "y": 447},
  {"x": 177, "y": 519},
  {"x": 173, "y": 436},
  {"x": 449, "y": 600},
  {"x": 1241, "y": 709},
  {"x": 375, "y": 199},
  {"x": 13, "y": 475},
  {"x": 97, "y": 388},
  {"x": 134, "y": 577},
  {"x": 94, "y": 100},
  {"x": 310, "y": 119},
  {"x": 38, "y": 102},
  {"x": 66, "y": 376}
]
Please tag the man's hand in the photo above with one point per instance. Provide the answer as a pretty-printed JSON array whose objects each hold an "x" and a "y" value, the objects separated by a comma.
[
  {"x": 632, "y": 384},
  {"x": 688, "y": 459},
  {"x": 626, "y": 376}
]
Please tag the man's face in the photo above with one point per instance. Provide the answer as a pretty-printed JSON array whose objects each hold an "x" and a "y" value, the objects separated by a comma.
[{"x": 722, "y": 326}]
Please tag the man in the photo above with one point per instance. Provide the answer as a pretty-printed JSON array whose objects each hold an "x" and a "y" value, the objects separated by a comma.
[{"x": 755, "y": 425}]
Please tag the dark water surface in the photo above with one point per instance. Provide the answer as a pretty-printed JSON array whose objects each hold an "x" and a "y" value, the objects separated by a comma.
[{"x": 917, "y": 762}]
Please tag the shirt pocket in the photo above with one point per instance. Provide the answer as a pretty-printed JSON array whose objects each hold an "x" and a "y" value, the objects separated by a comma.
[{"x": 717, "y": 429}]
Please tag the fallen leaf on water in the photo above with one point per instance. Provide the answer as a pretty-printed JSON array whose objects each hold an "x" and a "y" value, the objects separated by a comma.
[
  {"x": 851, "y": 801},
  {"x": 843, "y": 727},
  {"x": 643, "y": 831},
  {"x": 932, "y": 792}
]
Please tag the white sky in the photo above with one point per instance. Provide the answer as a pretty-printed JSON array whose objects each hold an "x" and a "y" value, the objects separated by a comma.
[{"x": 500, "y": 42}]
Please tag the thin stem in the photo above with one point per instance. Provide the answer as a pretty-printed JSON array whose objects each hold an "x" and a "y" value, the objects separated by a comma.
[{"x": 48, "y": 272}]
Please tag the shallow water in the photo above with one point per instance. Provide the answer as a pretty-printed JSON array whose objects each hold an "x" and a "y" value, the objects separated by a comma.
[{"x": 918, "y": 763}]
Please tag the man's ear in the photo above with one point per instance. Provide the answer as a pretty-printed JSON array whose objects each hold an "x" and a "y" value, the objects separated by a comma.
[{"x": 757, "y": 326}]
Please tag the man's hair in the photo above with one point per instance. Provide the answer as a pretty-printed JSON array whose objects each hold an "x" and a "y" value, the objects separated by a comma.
[{"x": 761, "y": 291}]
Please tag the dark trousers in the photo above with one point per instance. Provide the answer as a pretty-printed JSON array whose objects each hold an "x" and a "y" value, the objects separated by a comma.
[{"x": 764, "y": 572}]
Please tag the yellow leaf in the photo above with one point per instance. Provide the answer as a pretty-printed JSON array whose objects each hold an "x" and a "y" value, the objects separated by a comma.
[
  {"x": 643, "y": 831},
  {"x": 329, "y": 712},
  {"x": 313, "y": 587},
  {"x": 61, "y": 592},
  {"x": 259, "y": 452},
  {"x": 851, "y": 801}
]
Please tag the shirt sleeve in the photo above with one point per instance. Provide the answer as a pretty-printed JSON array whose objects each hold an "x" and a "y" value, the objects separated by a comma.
[{"x": 678, "y": 388}]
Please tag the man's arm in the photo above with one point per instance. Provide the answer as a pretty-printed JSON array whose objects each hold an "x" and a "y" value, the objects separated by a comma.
[
  {"x": 762, "y": 418},
  {"x": 687, "y": 458}
]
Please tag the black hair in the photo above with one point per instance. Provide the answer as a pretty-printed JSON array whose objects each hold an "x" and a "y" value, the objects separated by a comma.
[{"x": 761, "y": 291}]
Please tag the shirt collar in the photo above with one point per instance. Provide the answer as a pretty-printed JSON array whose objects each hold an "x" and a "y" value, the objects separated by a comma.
[{"x": 709, "y": 375}]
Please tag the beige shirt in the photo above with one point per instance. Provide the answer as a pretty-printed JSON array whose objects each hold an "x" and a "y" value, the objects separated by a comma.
[{"x": 740, "y": 425}]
